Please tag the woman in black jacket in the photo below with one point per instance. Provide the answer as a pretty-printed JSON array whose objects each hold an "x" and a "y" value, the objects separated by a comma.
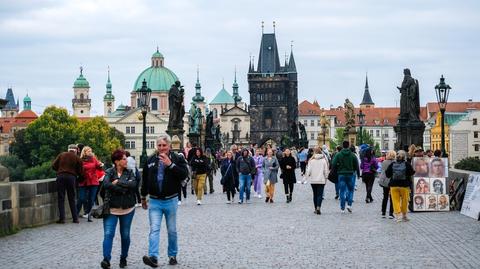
[
  {"x": 200, "y": 165},
  {"x": 229, "y": 182},
  {"x": 288, "y": 165},
  {"x": 120, "y": 184}
]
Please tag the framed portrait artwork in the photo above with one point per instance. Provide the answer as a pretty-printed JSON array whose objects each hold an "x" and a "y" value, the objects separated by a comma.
[
  {"x": 421, "y": 166},
  {"x": 419, "y": 202},
  {"x": 443, "y": 202},
  {"x": 438, "y": 167},
  {"x": 437, "y": 186},
  {"x": 421, "y": 185},
  {"x": 431, "y": 202}
]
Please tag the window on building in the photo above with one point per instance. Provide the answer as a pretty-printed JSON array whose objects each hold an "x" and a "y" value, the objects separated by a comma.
[
  {"x": 318, "y": 122},
  {"x": 127, "y": 131},
  {"x": 312, "y": 136},
  {"x": 154, "y": 104},
  {"x": 305, "y": 122},
  {"x": 385, "y": 145},
  {"x": 371, "y": 132},
  {"x": 474, "y": 121},
  {"x": 132, "y": 129},
  {"x": 477, "y": 147},
  {"x": 377, "y": 133},
  {"x": 475, "y": 134},
  {"x": 385, "y": 135},
  {"x": 312, "y": 122},
  {"x": 152, "y": 129}
]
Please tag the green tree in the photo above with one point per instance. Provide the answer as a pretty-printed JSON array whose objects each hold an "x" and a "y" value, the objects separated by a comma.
[
  {"x": 366, "y": 138},
  {"x": 46, "y": 137},
  {"x": 102, "y": 138},
  {"x": 15, "y": 166},
  {"x": 40, "y": 171},
  {"x": 337, "y": 139}
]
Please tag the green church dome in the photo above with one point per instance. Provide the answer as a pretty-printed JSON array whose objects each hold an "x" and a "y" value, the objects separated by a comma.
[
  {"x": 158, "y": 77},
  {"x": 81, "y": 81},
  {"x": 27, "y": 99}
]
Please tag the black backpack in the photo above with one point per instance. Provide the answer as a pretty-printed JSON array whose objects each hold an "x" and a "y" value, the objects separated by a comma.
[{"x": 399, "y": 171}]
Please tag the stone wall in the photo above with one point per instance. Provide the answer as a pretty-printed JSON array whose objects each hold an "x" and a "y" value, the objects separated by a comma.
[{"x": 28, "y": 204}]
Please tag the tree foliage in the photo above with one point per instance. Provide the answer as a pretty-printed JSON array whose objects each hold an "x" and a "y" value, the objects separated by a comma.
[
  {"x": 45, "y": 137},
  {"x": 41, "y": 171},
  {"x": 54, "y": 130},
  {"x": 102, "y": 138},
  {"x": 15, "y": 166},
  {"x": 338, "y": 138},
  {"x": 470, "y": 164},
  {"x": 366, "y": 138}
]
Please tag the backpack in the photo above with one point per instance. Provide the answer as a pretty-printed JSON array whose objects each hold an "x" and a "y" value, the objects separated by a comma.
[{"x": 399, "y": 170}]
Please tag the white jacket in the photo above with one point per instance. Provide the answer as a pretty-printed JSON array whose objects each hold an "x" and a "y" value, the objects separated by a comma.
[{"x": 317, "y": 169}]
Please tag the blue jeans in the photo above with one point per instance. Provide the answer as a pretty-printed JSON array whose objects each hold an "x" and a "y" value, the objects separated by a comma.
[
  {"x": 109, "y": 226},
  {"x": 245, "y": 182},
  {"x": 354, "y": 180},
  {"x": 156, "y": 209},
  {"x": 347, "y": 187},
  {"x": 86, "y": 197}
]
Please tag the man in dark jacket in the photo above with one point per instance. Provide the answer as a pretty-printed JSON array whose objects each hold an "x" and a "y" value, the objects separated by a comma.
[
  {"x": 346, "y": 164},
  {"x": 245, "y": 165},
  {"x": 68, "y": 167},
  {"x": 162, "y": 176}
]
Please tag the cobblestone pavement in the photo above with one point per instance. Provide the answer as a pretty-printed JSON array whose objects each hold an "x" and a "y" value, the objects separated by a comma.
[{"x": 259, "y": 235}]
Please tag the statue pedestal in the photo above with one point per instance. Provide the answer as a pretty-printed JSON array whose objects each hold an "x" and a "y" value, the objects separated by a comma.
[
  {"x": 409, "y": 132},
  {"x": 194, "y": 139},
  {"x": 350, "y": 135},
  {"x": 178, "y": 133}
]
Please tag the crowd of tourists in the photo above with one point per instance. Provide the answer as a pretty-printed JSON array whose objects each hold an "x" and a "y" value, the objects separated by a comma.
[{"x": 165, "y": 176}]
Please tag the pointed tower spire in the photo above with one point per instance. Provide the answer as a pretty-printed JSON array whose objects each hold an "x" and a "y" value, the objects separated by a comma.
[
  {"x": 291, "y": 64},
  {"x": 367, "y": 99},
  {"x": 250, "y": 70},
  {"x": 198, "y": 94},
  {"x": 268, "y": 59},
  {"x": 236, "y": 97}
]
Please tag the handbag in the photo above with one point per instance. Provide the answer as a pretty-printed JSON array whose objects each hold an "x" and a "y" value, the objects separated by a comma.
[
  {"x": 333, "y": 174},
  {"x": 103, "y": 210}
]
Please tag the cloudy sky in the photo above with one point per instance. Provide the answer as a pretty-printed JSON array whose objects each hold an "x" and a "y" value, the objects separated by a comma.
[{"x": 335, "y": 43}]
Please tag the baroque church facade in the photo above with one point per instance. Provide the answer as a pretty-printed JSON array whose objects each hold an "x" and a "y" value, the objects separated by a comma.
[{"x": 273, "y": 95}]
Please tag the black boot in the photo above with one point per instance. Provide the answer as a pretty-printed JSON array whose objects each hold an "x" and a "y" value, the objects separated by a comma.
[
  {"x": 105, "y": 264},
  {"x": 123, "y": 262}
]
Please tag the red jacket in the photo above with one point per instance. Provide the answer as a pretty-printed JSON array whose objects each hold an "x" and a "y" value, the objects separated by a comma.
[{"x": 90, "y": 167}]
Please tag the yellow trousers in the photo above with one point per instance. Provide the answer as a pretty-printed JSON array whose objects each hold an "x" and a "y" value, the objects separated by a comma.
[
  {"x": 199, "y": 184},
  {"x": 270, "y": 190},
  {"x": 400, "y": 197}
]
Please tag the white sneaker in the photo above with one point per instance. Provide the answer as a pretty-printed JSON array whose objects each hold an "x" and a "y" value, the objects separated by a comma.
[
  {"x": 179, "y": 203},
  {"x": 199, "y": 202},
  {"x": 229, "y": 202},
  {"x": 259, "y": 196},
  {"x": 349, "y": 209},
  {"x": 85, "y": 216},
  {"x": 298, "y": 182},
  {"x": 342, "y": 211}
]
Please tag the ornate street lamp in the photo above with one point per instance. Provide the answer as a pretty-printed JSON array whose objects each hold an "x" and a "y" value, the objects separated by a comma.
[
  {"x": 143, "y": 97},
  {"x": 442, "y": 90},
  {"x": 361, "y": 122}
]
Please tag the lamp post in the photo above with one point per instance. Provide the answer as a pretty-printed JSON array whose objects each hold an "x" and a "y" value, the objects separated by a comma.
[
  {"x": 143, "y": 97},
  {"x": 442, "y": 90},
  {"x": 324, "y": 131},
  {"x": 361, "y": 122}
]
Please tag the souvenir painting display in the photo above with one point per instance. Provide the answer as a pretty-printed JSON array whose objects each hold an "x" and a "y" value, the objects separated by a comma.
[{"x": 429, "y": 184}]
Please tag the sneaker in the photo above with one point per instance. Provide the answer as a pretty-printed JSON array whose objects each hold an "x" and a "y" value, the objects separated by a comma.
[
  {"x": 259, "y": 196},
  {"x": 138, "y": 205},
  {"x": 342, "y": 211},
  {"x": 172, "y": 261},
  {"x": 240, "y": 202},
  {"x": 399, "y": 219},
  {"x": 248, "y": 201},
  {"x": 299, "y": 182},
  {"x": 123, "y": 262},
  {"x": 105, "y": 264},
  {"x": 391, "y": 217},
  {"x": 349, "y": 208},
  {"x": 405, "y": 219},
  {"x": 150, "y": 261},
  {"x": 266, "y": 199},
  {"x": 336, "y": 197},
  {"x": 229, "y": 202},
  {"x": 84, "y": 216},
  {"x": 179, "y": 203},
  {"x": 383, "y": 216},
  {"x": 199, "y": 202}
]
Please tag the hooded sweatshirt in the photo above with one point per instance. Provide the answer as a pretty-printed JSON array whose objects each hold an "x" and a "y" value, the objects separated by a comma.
[
  {"x": 317, "y": 169},
  {"x": 345, "y": 162}
]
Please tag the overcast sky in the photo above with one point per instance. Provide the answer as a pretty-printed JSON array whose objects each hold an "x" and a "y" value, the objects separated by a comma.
[{"x": 335, "y": 43}]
